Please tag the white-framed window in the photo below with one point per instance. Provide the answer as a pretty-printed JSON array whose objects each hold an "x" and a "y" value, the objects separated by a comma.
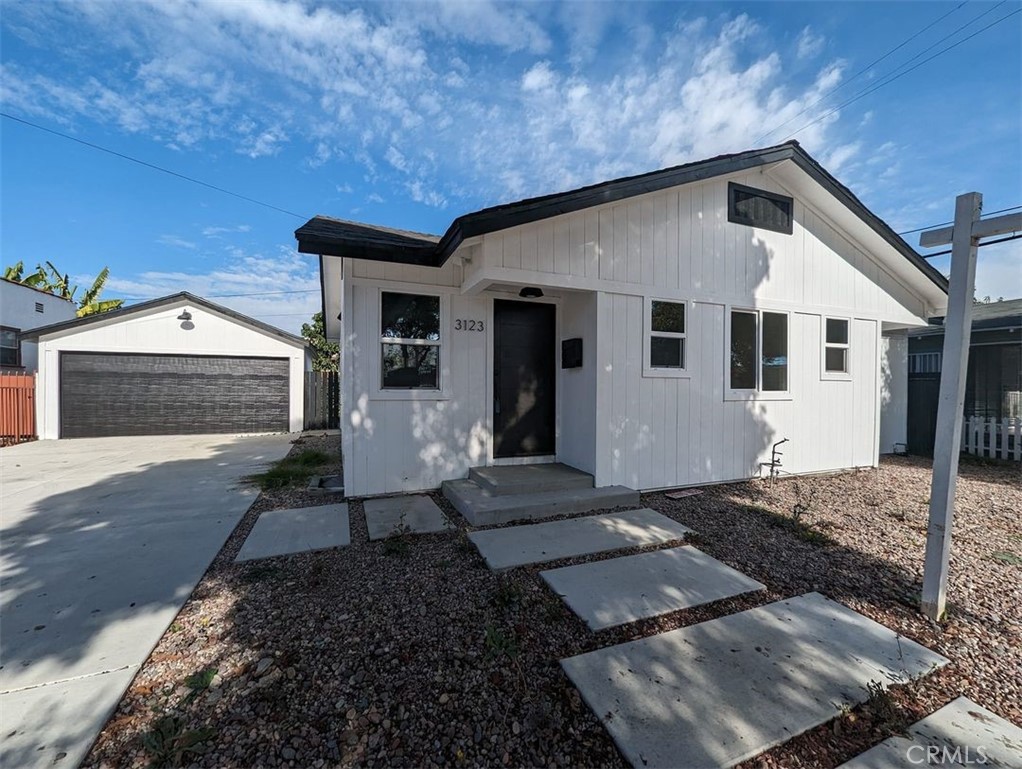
[
  {"x": 410, "y": 341},
  {"x": 665, "y": 346},
  {"x": 10, "y": 350},
  {"x": 757, "y": 354},
  {"x": 836, "y": 355}
]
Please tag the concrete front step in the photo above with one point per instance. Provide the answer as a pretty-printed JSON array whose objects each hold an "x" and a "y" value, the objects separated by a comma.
[
  {"x": 500, "y": 480},
  {"x": 481, "y": 508}
]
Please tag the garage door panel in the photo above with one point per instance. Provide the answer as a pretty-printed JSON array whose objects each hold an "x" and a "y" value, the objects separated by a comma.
[{"x": 110, "y": 394}]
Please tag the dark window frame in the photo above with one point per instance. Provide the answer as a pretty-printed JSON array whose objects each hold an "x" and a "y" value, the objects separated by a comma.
[
  {"x": 16, "y": 347},
  {"x": 735, "y": 218}
]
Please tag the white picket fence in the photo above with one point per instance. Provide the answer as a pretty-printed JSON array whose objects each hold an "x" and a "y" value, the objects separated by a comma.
[{"x": 990, "y": 438}]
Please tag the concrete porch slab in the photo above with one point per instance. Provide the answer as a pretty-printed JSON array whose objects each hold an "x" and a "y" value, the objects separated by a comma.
[
  {"x": 499, "y": 480},
  {"x": 979, "y": 737},
  {"x": 630, "y": 588},
  {"x": 540, "y": 542},
  {"x": 720, "y": 692},
  {"x": 416, "y": 511},
  {"x": 283, "y": 532}
]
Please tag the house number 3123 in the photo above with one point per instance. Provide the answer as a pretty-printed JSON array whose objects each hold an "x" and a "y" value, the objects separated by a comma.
[{"x": 463, "y": 324}]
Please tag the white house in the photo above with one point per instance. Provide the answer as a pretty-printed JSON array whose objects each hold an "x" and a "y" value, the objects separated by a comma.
[
  {"x": 654, "y": 331},
  {"x": 23, "y": 308},
  {"x": 175, "y": 365}
]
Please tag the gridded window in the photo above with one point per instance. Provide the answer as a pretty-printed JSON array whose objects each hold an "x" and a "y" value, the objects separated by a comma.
[
  {"x": 835, "y": 346},
  {"x": 924, "y": 362},
  {"x": 759, "y": 208},
  {"x": 758, "y": 348},
  {"x": 667, "y": 335},
  {"x": 10, "y": 352},
  {"x": 410, "y": 341}
]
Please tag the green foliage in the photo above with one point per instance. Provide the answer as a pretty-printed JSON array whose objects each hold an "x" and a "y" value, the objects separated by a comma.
[
  {"x": 507, "y": 595},
  {"x": 325, "y": 354},
  {"x": 291, "y": 470},
  {"x": 1004, "y": 556},
  {"x": 52, "y": 280},
  {"x": 201, "y": 679},
  {"x": 500, "y": 644},
  {"x": 883, "y": 708},
  {"x": 168, "y": 743}
]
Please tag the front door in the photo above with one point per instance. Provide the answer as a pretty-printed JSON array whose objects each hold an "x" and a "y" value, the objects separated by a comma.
[{"x": 524, "y": 378}]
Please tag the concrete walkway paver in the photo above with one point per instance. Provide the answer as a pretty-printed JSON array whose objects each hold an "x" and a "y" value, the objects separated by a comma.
[
  {"x": 540, "y": 542},
  {"x": 630, "y": 588},
  {"x": 299, "y": 530},
  {"x": 103, "y": 540},
  {"x": 719, "y": 692},
  {"x": 959, "y": 734},
  {"x": 417, "y": 512}
]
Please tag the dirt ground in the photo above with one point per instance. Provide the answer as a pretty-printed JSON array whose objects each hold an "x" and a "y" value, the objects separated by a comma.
[{"x": 410, "y": 652}]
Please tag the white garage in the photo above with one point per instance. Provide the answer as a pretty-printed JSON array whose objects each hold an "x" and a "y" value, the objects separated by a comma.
[{"x": 175, "y": 365}]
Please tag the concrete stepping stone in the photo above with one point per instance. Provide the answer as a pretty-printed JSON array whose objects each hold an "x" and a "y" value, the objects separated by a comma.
[
  {"x": 633, "y": 587},
  {"x": 725, "y": 690},
  {"x": 283, "y": 532},
  {"x": 959, "y": 734},
  {"x": 416, "y": 511},
  {"x": 540, "y": 542}
]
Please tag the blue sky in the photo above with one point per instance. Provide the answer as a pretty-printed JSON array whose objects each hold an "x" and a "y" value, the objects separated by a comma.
[{"x": 411, "y": 114}]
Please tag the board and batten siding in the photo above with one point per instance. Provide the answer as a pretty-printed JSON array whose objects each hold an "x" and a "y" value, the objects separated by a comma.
[
  {"x": 411, "y": 440},
  {"x": 658, "y": 432},
  {"x": 679, "y": 242},
  {"x": 161, "y": 333}
]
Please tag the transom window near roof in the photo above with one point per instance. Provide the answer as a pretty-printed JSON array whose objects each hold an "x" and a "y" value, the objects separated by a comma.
[{"x": 759, "y": 208}]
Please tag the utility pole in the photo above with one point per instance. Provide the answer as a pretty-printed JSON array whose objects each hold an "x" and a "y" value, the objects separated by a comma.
[{"x": 964, "y": 238}]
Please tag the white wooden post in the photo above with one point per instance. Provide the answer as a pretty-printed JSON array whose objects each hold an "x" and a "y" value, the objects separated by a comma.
[
  {"x": 964, "y": 237},
  {"x": 948, "y": 439},
  {"x": 1005, "y": 432}
]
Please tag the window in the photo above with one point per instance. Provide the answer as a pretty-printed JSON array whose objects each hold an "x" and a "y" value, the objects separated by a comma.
[
  {"x": 924, "y": 362},
  {"x": 10, "y": 351},
  {"x": 758, "y": 351},
  {"x": 410, "y": 341},
  {"x": 759, "y": 208},
  {"x": 665, "y": 353},
  {"x": 835, "y": 348}
]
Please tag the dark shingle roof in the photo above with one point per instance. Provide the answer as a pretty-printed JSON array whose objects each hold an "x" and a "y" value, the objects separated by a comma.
[{"x": 333, "y": 237}]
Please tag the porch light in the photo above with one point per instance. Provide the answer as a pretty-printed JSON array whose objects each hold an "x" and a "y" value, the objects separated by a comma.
[
  {"x": 530, "y": 292},
  {"x": 185, "y": 315}
]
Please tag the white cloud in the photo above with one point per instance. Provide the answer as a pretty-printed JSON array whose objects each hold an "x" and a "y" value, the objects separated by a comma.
[
  {"x": 260, "y": 278},
  {"x": 214, "y": 232},
  {"x": 809, "y": 43},
  {"x": 176, "y": 242}
]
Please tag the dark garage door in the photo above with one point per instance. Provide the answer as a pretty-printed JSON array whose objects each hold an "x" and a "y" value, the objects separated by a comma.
[{"x": 114, "y": 394}]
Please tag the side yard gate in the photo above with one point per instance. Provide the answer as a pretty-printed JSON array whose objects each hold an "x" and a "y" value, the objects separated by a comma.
[
  {"x": 17, "y": 408},
  {"x": 322, "y": 400}
]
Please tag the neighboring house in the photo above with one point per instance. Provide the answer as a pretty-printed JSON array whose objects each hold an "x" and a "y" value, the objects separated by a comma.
[
  {"x": 654, "y": 331},
  {"x": 23, "y": 308},
  {"x": 175, "y": 365},
  {"x": 993, "y": 385}
]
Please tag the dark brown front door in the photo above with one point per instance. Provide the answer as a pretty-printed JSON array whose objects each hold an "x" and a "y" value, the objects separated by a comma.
[{"x": 524, "y": 378}]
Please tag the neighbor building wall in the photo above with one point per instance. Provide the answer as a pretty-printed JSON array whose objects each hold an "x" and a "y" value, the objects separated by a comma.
[
  {"x": 161, "y": 332},
  {"x": 25, "y": 308}
]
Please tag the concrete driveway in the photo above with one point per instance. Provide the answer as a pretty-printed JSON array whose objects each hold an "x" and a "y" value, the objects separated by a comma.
[{"x": 101, "y": 542}]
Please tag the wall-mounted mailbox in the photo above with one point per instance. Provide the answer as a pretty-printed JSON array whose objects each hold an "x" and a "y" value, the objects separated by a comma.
[{"x": 571, "y": 353}]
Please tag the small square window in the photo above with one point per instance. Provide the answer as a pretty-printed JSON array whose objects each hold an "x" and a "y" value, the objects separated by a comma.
[
  {"x": 10, "y": 350},
  {"x": 665, "y": 338},
  {"x": 835, "y": 348}
]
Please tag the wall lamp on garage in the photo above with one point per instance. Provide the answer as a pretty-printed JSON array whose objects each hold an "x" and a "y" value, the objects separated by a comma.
[{"x": 186, "y": 320}]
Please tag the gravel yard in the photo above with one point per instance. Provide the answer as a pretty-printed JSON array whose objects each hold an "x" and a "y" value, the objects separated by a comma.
[{"x": 410, "y": 652}]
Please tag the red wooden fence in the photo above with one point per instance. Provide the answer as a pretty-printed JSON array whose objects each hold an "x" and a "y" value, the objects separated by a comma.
[{"x": 17, "y": 408}]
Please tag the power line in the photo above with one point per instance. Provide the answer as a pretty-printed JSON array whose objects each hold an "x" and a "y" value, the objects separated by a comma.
[
  {"x": 861, "y": 72},
  {"x": 224, "y": 296},
  {"x": 889, "y": 80},
  {"x": 945, "y": 224},
  {"x": 152, "y": 166},
  {"x": 978, "y": 245}
]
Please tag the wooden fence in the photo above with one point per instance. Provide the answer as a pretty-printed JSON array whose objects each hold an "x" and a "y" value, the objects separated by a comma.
[
  {"x": 992, "y": 438},
  {"x": 322, "y": 400},
  {"x": 17, "y": 408}
]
